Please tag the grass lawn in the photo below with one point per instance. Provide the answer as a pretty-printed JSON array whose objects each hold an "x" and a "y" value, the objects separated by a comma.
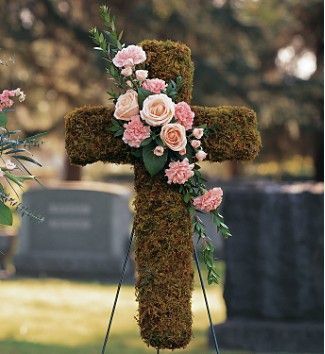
[{"x": 54, "y": 316}]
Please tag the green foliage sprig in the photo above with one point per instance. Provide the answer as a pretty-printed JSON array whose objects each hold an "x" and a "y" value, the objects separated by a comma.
[
  {"x": 108, "y": 43},
  {"x": 15, "y": 147}
]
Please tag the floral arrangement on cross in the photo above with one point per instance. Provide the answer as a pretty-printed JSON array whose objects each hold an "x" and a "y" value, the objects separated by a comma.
[{"x": 160, "y": 132}]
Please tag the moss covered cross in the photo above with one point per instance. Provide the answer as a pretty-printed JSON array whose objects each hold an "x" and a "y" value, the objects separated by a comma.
[{"x": 163, "y": 226}]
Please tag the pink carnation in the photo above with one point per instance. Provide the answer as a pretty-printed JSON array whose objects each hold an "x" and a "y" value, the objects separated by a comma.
[
  {"x": 135, "y": 132},
  {"x": 5, "y": 101},
  {"x": 179, "y": 171},
  {"x": 129, "y": 56},
  {"x": 154, "y": 85},
  {"x": 184, "y": 115},
  {"x": 209, "y": 201}
]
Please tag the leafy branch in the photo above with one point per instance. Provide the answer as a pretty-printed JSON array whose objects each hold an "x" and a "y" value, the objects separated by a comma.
[{"x": 108, "y": 43}]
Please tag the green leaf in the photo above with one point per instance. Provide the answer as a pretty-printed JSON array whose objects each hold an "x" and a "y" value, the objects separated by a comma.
[
  {"x": 142, "y": 95},
  {"x": 137, "y": 153},
  {"x": 26, "y": 158},
  {"x": 13, "y": 178},
  {"x": 5, "y": 215},
  {"x": 3, "y": 120},
  {"x": 118, "y": 133},
  {"x": 153, "y": 163},
  {"x": 187, "y": 197},
  {"x": 146, "y": 141}
]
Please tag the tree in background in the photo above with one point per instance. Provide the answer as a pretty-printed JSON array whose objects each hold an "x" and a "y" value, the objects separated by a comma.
[{"x": 264, "y": 54}]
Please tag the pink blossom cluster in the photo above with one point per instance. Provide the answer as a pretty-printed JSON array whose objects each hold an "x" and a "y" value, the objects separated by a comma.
[
  {"x": 5, "y": 99},
  {"x": 6, "y": 95},
  {"x": 209, "y": 201},
  {"x": 135, "y": 132},
  {"x": 158, "y": 110},
  {"x": 179, "y": 171},
  {"x": 129, "y": 56},
  {"x": 184, "y": 115},
  {"x": 154, "y": 85}
]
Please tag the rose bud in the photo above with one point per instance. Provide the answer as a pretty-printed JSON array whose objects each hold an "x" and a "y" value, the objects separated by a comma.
[
  {"x": 201, "y": 155},
  {"x": 198, "y": 133},
  {"x": 196, "y": 143}
]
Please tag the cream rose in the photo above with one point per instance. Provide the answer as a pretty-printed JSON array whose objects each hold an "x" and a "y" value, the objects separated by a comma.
[
  {"x": 174, "y": 136},
  {"x": 157, "y": 110},
  {"x": 127, "y": 106}
]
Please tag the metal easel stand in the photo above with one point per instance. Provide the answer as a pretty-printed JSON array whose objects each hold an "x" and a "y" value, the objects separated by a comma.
[
  {"x": 125, "y": 263},
  {"x": 214, "y": 336},
  {"x": 127, "y": 256}
]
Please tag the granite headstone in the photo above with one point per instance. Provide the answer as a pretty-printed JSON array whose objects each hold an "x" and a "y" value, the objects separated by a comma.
[
  {"x": 85, "y": 232},
  {"x": 274, "y": 269}
]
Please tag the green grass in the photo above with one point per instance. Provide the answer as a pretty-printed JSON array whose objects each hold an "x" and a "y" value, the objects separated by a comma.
[{"x": 53, "y": 316}]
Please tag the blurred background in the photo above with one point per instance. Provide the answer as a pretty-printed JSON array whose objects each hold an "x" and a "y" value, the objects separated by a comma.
[{"x": 264, "y": 54}]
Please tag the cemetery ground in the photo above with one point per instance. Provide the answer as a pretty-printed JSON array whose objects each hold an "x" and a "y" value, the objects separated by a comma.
[{"x": 56, "y": 316}]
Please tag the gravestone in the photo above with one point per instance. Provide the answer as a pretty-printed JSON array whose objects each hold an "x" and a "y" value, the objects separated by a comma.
[
  {"x": 85, "y": 232},
  {"x": 274, "y": 269}
]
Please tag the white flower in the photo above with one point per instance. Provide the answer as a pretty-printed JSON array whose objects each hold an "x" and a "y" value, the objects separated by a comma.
[
  {"x": 158, "y": 109},
  {"x": 127, "y": 106},
  {"x": 201, "y": 155},
  {"x": 127, "y": 71},
  {"x": 141, "y": 75},
  {"x": 19, "y": 93},
  {"x": 198, "y": 132},
  {"x": 10, "y": 165}
]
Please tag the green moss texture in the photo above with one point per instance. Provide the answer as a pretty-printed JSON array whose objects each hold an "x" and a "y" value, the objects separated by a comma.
[
  {"x": 166, "y": 60},
  {"x": 233, "y": 134},
  {"x": 164, "y": 251},
  {"x": 163, "y": 228},
  {"x": 88, "y": 140}
]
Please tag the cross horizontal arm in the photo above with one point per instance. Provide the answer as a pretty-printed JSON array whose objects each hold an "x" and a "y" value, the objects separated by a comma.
[
  {"x": 88, "y": 140},
  {"x": 235, "y": 135}
]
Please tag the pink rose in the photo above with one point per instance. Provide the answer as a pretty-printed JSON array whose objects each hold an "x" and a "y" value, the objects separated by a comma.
[
  {"x": 141, "y": 75},
  {"x": 184, "y": 115},
  {"x": 135, "y": 132},
  {"x": 182, "y": 152},
  {"x": 201, "y": 155},
  {"x": 154, "y": 85},
  {"x": 127, "y": 106},
  {"x": 129, "y": 56},
  {"x": 196, "y": 143},
  {"x": 158, "y": 109},
  {"x": 179, "y": 171},
  {"x": 174, "y": 136},
  {"x": 198, "y": 133},
  {"x": 127, "y": 71},
  {"x": 209, "y": 201},
  {"x": 159, "y": 150}
]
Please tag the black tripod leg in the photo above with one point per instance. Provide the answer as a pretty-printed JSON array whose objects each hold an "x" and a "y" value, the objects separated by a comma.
[
  {"x": 206, "y": 303},
  {"x": 118, "y": 291}
]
